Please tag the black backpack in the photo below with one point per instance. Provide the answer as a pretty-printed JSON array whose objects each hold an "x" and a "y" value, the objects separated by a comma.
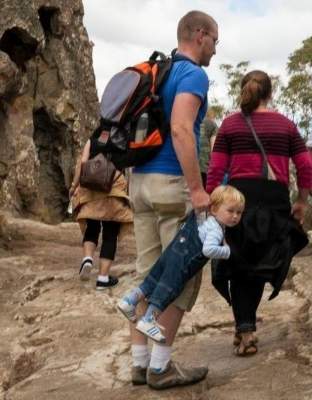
[{"x": 132, "y": 113}]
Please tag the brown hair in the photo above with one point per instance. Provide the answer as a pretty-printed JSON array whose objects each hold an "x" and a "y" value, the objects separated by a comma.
[
  {"x": 225, "y": 193},
  {"x": 191, "y": 21},
  {"x": 255, "y": 86}
]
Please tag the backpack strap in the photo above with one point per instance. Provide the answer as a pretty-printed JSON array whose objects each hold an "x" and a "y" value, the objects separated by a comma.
[
  {"x": 158, "y": 54},
  {"x": 166, "y": 63},
  {"x": 164, "y": 67}
]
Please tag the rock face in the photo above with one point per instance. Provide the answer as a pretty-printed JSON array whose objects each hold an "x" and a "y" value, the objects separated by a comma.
[{"x": 48, "y": 103}]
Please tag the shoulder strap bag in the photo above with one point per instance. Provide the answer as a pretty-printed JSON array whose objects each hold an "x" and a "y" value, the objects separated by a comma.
[
  {"x": 98, "y": 174},
  {"x": 267, "y": 171}
]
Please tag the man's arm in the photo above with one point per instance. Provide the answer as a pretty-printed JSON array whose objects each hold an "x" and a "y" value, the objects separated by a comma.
[{"x": 183, "y": 115}]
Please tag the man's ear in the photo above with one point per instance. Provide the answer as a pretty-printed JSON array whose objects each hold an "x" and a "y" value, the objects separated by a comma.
[{"x": 199, "y": 37}]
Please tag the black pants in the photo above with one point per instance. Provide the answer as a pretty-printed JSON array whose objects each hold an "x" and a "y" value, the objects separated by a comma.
[
  {"x": 110, "y": 231},
  {"x": 246, "y": 295}
]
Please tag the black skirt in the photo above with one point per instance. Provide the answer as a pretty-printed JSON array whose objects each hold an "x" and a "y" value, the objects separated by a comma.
[{"x": 264, "y": 242}]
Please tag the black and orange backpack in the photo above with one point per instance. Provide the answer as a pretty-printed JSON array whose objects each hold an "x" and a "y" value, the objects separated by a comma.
[{"x": 132, "y": 113}]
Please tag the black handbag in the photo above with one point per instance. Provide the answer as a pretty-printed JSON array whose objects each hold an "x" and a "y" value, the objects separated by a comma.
[{"x": 98, "y": 174}]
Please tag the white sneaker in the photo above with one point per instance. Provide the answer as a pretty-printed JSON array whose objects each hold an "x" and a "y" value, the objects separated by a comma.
[
  {"x": 85, "y": 269},
  {"x": 127, "y": 309},
  {"x": 151, "y": 329}
]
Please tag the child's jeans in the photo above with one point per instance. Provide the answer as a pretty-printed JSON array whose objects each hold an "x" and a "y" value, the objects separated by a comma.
[{"x": 181, "y": 260}]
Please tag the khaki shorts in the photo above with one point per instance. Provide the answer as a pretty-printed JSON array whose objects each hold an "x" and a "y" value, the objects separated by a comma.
[{"x": 160, "y": 204}]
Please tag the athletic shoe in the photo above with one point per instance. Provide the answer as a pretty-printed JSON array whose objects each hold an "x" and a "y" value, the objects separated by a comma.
[
  {"x": 175, "y": 375},
  {"x": 112, "y": 281},
  {"x": 151, "y": 329},
  {"x": 127, "y": 309},
  {"x": 85, "y": 269},
  {"x": 138, "y": 375}
]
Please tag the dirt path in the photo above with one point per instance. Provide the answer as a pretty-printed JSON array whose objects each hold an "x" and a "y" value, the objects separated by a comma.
[{"x": 60, "y": 339}]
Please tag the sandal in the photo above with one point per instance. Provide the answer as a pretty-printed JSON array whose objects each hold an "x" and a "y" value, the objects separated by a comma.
[
  {"x": 238, "y": 338},
  {"x": 244, "y": 350}
]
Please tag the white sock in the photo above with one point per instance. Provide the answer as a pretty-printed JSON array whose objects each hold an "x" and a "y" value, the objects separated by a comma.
[
  {"x": 140, "y": 355},
  {"x": 160, "y": 357},
  {"x": 87, "y": 258},
  {"x": 103, "y": 278}
]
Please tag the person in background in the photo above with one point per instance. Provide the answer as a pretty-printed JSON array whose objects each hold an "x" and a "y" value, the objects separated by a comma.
[
  {"x": 269, "y": 234},
  {"x": 208, "y": 132},
  {"x": 99, "y": 212}
]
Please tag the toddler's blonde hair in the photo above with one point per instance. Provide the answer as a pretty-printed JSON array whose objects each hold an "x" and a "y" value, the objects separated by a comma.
[{"x": 225, "y": 193}]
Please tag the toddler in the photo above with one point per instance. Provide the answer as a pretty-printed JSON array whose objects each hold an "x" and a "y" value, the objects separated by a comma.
[{"x": 197, "y": 240}]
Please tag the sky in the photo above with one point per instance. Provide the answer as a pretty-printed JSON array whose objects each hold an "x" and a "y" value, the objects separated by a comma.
[{"x": 266, "y": 32}]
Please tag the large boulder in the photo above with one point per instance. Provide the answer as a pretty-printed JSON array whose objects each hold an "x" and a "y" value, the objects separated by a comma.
[{"x": 48, "y": 103}]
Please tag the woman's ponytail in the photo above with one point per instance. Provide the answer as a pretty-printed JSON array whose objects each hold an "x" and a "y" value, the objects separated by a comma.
[{"x": 255, "y": 87}]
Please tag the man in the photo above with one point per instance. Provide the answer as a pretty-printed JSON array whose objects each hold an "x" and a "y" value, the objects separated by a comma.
[
  {"x": 164, "y": 190},
  {"x": 208, "y": 132}
]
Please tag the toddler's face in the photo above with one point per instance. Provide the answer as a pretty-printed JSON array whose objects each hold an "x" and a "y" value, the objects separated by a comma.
[{"x": 229, "y": 213}]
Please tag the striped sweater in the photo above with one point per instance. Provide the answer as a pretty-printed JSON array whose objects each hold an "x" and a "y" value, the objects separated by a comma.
[{"x": 236, "y": 152}]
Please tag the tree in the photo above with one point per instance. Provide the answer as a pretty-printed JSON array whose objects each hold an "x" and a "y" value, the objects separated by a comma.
[
  {"x": 296, "y": 96},
  {"x": 276, "y": 90},
  {"x": 234, "y": 76},
  {"x": 218, "y": 110}
]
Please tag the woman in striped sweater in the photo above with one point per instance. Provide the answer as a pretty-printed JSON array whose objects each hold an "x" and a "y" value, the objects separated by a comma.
[{"x": 270, "y": 233}]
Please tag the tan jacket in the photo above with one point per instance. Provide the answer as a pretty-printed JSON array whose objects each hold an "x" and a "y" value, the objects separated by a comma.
[{"x": 112, "y": 206}]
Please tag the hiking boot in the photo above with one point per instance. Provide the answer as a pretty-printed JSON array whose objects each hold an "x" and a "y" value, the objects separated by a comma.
[
  {"x": 112, "y": 281},
  {"x": 150, "y": 328},
  {"x": 175, "y": 375},
  {"x": 138, "y": 375},
  {"x": 85, "y": 269},
  {"x": 127, "y": 309}
]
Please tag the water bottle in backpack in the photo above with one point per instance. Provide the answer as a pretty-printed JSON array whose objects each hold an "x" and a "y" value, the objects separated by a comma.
[{"x": 141, "y": 128}]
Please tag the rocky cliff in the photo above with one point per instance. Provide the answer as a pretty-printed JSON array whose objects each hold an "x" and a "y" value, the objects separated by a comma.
[{"x": 48, "y": 103}]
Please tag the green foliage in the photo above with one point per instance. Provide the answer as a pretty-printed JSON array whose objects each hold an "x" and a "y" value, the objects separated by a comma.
[
  {"x": 296, "y": 96},
  {"x": 218, "y": 110},
  {"x": 234, "y": 75},
  {"x": 301, "y": 59},
  {"x": 276, "y": 89}
]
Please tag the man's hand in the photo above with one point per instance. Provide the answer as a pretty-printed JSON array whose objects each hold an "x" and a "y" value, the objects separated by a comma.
[
  {"x": 298, "y": 210},
  {"x": 200, "y": 200}
]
